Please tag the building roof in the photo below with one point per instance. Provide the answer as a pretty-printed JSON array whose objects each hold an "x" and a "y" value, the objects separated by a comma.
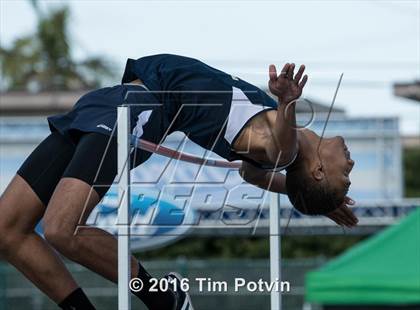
[
  {"x": 408, "y": 90},
  {"x": 411, "y": 142},
  {"x": 25, "y": 103}
]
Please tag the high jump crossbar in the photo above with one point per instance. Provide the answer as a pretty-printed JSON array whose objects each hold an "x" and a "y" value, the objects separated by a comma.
[{"x": 125, "y": 140}]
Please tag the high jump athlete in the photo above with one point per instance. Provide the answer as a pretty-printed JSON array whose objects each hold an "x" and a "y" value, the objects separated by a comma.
[{"x": 67, "y": 175}]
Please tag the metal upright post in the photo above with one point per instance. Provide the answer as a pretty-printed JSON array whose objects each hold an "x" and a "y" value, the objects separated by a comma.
[
  {"x": 123, "y": 222},
  {"x": 275, "y": 250}
]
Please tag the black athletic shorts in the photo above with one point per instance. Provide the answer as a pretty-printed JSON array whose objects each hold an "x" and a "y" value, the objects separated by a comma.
[{"x": 92, "y": 159}]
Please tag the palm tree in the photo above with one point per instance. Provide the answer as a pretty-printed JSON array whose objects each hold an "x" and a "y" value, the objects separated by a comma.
[{"x": 43, "y": 62}]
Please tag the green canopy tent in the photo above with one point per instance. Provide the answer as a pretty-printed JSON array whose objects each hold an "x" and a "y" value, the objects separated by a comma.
[{"x": 379, "y": 273}]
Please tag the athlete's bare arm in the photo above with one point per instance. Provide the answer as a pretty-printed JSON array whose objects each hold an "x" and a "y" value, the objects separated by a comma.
[
  {"x": 272, "y": 181},
  {"x": 283, "y": 146},
  {"x": 288, "y": 88}
]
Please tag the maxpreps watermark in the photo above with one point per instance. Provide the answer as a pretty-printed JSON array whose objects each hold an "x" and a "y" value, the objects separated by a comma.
[{"x": 210, "y": 285}]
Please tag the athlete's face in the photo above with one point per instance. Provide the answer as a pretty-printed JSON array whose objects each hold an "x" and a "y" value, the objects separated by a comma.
[{"x": 336, "y": 163}]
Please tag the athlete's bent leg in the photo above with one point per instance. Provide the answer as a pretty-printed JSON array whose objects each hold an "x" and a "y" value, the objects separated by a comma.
[
  {"x": 96, "y": 249},
  {"x": 20, "y": 245},
  {"x": 22, "y": 205},
  {"x": 94, "y": 162}
]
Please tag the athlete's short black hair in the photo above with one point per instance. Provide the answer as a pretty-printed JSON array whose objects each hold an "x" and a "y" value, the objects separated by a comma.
[{"x": 309, "y": 196}]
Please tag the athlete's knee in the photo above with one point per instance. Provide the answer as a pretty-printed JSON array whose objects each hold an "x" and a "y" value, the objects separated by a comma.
[
  {"x": 10, "y": 237},
  {"x": 61, "y": 237},
  {"x": 20, "y": 211},
  {"x": 8, "y": 241}
]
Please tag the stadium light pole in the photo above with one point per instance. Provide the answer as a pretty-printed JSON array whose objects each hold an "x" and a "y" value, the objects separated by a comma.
[
  {"x": 275, "y": 250},
  {"x": 123, "y": 220}
]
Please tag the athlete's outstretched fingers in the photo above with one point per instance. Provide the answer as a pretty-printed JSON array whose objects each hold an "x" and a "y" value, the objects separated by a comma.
[
  {"x": 347, "y": 216},
  {"x": 350, "y": 215},
  {"x": 272, "y": 72},
  {"x": 343, "y": 216},
  {"x": 299, "y": 74},
  {"x": 349, "y": 201},
  {"x": 291, "y": 71},
  {"x": 333, "y": 216},
  {"x": 304, "y": 80},
  {"x": 340, "y": 218},
  {"x": 283, "y": 72}
]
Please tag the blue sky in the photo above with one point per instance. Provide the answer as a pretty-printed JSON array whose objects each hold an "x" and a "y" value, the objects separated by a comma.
[{"x": 374, "y": 43}]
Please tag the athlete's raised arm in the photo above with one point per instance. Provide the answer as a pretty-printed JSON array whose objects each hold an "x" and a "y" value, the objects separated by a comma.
[{"x": 288, "y": 88}]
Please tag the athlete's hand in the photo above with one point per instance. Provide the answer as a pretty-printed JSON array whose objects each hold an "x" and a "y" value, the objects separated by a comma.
[
  {"x": 287, "y": 86},
  {"x": 343, "y": 214}
]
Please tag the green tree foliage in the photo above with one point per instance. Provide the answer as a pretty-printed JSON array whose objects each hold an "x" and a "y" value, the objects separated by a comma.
[
  {"x": 412, "y": 172},
  {"x": 42, "y": 61}
]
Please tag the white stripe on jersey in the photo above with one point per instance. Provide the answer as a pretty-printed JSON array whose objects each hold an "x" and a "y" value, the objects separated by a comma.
[{"x": 241, "y": 110}]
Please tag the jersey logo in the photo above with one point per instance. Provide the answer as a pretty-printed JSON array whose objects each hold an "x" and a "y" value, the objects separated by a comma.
[
  {"x": 103, "y": 126},
  {"x": 234, "y": 78}
]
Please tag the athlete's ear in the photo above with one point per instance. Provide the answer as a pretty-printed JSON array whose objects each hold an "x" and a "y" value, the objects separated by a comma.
[{"x": 318, "y": 172}]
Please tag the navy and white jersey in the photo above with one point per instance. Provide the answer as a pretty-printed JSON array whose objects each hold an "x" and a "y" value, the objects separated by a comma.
[{"x": 179, "y": 94}]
